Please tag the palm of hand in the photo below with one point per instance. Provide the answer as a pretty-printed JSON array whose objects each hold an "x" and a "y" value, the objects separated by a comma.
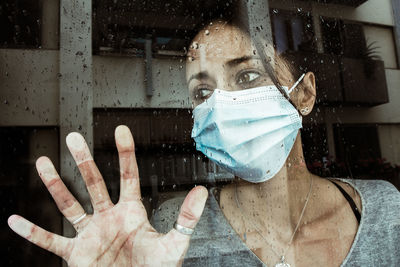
[
  {"x": 121, "y": 237},
  {"x": 115, "y": 235}
]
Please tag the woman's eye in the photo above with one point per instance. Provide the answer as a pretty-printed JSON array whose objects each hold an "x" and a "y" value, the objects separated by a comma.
[
  {"x": 202, "y": 93},
  {"x": 248, "y": 77}
]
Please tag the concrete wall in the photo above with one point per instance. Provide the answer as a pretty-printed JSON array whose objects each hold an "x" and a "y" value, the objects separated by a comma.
[
  {"x": 390, "y": 142},
  {"x": 372, "y": 11},
  {"x": 29, "y": 87},
  {"x": 120, "y": 82},
  {"x": 382, "y": 38}
]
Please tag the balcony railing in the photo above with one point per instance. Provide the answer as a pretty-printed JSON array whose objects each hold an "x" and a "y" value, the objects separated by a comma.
[{"x": 353, "y": 3}]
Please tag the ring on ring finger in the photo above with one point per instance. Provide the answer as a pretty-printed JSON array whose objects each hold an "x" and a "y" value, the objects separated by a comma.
[
  {"x": 182, "y": 229},
  {"x": 79, "y": 219}
]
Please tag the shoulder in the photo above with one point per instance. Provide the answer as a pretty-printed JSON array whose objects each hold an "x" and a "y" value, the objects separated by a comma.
[
  {"x": 370, "y": 188},
  {"x": 380, "y": 203},
  {"x": 375, "y": 190},
  {"x": 381, "y": 198},
  {"x": 379, "y": 230}
]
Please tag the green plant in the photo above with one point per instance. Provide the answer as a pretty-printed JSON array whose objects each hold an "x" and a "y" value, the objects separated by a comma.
[{"x": 369, "y": 56}]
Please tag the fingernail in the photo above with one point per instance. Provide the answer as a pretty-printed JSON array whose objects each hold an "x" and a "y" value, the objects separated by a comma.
[
  {"x": 204, "y": 193},
  {"x": 123, "y": 136},
  {"x": 78, "y": 148},
  {"x": 45, "y": 168},
  {"x": 75, "y": 141},
  {"x": 18, "y": 225}
]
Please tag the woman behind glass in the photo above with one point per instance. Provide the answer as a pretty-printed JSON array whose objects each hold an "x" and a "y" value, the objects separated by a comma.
[{"x": 280, "y": 214}]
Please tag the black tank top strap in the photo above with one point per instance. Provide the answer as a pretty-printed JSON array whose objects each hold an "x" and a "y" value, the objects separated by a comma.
[{"x": 350, "y": 200}]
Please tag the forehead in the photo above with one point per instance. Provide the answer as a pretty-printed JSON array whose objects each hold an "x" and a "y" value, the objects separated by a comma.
[{"x": 220, "y": 40}]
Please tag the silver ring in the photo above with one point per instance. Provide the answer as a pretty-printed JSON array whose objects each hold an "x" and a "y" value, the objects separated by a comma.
[
  {"x": 182, "y": 229},
  {"x": 80, "y": 218}
]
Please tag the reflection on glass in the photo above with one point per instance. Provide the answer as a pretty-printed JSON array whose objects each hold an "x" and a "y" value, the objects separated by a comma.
[{"x": 204, "y": 113}]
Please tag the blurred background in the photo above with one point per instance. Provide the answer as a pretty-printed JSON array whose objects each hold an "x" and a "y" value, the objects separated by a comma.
[{"x": 91, "y": 65}]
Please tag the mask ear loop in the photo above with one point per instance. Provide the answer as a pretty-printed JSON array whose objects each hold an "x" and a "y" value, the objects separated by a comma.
[
  {"x": 291, "y": 89},
  {"x": 296, "y": 83}
]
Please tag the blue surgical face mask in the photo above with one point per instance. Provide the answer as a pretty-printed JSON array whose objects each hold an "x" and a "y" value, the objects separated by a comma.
[{"x": 250, "y": 132}]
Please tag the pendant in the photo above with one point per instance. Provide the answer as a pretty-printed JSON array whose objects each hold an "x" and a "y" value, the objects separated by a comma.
[{"x": 282, "y": 263}]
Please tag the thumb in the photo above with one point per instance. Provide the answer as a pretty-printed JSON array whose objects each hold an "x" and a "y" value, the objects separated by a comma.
[
  {"x": 191, "y": 210},
  {"x": 189, "y": 215},
  {"x": 192, "y": 207}
]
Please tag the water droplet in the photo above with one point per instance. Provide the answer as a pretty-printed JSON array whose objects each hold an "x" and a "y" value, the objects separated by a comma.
[
  {"x": 275, "y": 10},
  {"x": 207, "y": 32},
  {"x": 195, "y": 45}
]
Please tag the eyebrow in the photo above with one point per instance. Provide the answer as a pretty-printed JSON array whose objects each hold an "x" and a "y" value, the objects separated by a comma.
[
  {"x": 200, "y": 75},
  {"x": 239, "y": 60},
  {"x": 235, "y": 61}
]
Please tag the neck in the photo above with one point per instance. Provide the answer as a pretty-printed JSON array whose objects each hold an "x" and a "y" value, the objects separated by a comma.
[{"x": 280, "y": 200}]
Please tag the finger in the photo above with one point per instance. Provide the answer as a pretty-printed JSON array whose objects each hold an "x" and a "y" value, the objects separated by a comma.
[
  {"x": 59, "y": 245},
  {"x": 192, "y": 208},
  {"x": 90, "y": 173},
  {"x": 130, "y": 184},
  {"x": 65, "y": 201}
]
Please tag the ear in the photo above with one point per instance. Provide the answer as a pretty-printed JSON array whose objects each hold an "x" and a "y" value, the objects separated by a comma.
[{"x": 306, "y": 94}]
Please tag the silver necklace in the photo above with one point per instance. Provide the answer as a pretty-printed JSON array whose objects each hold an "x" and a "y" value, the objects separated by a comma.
[{"x": 282, "y": 262}]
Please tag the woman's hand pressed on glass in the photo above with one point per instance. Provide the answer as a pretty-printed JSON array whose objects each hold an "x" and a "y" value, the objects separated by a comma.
[{"x": 114, "y": 235}]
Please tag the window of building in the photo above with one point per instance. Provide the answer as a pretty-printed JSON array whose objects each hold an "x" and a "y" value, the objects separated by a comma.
[
  {"x": 20, "y": 24},
  {"x": 22, "y": 192},
  {"x": 292, "y": 31},
  {"x": 315, "y": 147},
  {"x": 122, "y": 27},
  {"x": 343, "y": 38},
  {"x": 357, "y": 145},
  {"x": 165, "y": 152}
]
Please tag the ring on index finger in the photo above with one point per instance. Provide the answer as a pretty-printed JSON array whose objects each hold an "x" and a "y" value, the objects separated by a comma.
[{"x": 182, "y": 229}]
